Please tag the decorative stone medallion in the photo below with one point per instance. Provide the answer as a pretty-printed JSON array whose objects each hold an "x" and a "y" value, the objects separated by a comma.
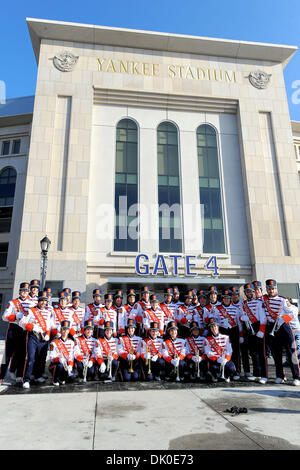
[
  {"x": 65, "y": 61},
  {"x": 259, "y": 79}
]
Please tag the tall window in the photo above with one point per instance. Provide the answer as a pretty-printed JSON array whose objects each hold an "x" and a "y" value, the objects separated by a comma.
[
  {"x": 210, "y": 191},
  {"x": 8, "y": 179},
  {"x": 169, "y": 201},
  {"x": 126, "y": 186}
]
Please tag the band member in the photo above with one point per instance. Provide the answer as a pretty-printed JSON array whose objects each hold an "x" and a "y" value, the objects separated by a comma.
[
  {"x": 218, "y": 351},
  {"x": 279, "y": 315},
  {"x": 62, "y": 356},
  {"x": 258, "y": 290},
  {"x": 195, "y": 301},
  {"x": 196, "y": 358},
  {"x": 254, "y": 321},
  {"x": 106, "y": 313},
  {"x": 38, "y": 324},
  {"x": 137, "y": 313},
  {"x": 210, "y": 310},
  {"x": 167, "y": 306},
  {"x": 176, "y": 302},
  {"x": 127, "y": 311},
  {"x": 229, "y": 320},
  {"x": 198, "y": 312},
  {"x": 153, "y": 363},
  {"x": 15, "y": 335},
  {"x": 174, "y": 352},
  {"x": 68, "y": 291},
  {"x": 129, "y": 352},
  {"x": 235, "y": 296},
  {"x": 32, "y": 298},
  {"x": 153, "y": 314},
  {"x": 106, "y": 354},
  {"x": 92, "y": 310},
  {"x": 61, "y": 312},
  {"x": 120, "y": 310},
  {"x": 77, "y": 321},
  {"x": 84, "y": 353},
  {"x": 184, "y": 314}
]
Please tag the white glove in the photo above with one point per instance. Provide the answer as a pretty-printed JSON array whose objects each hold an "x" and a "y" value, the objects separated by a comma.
[
  {"x": 154, "y": 358},
  {"x": 90, "y": 364},
  {"x": 130, "y": 357},
  {"x": 175, "y": 362},
  {"x": 37, "y": 328},
  {"x": 241, "y": 340},
  {"x": 226, "y": 324},
  {"x": 147, "y": 356},
  {"x": 244, "y": 318},
  {"x": 222, "y": 360},
  {"x": 19, "y": 315},
  {"x": 260, "y": 334},
  {"x": 102, "y": 368},
  {"x": 62, "y": 360},
  {"x": 46, "y": 338},
  {"x": 70, "y": 368},
  {"x": 196, "y": 359}
]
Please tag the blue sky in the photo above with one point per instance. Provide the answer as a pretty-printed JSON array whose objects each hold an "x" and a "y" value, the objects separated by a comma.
[{"x": 270, "y": 21}]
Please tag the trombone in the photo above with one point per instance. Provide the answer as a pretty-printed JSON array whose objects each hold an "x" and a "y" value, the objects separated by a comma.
[
  {"x": 148, "y": 361},
  {"x": 248, "y": 324},
  {"x": 130, "y": 370},
  {"x": 177, "y": 368}
]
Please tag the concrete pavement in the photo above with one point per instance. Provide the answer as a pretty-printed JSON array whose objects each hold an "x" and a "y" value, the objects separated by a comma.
[{"x": 150, "y": 417}]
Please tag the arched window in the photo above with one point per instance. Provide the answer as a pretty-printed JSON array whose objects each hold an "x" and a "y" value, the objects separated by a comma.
[
  {"x": 126, "y": 187},
  {"x": 210, "y": 190},
  {"x": 169, "y": 200}
]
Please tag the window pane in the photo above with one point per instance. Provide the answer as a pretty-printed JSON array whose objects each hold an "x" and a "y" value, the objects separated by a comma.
[
  {"x": 5, "y": 147},
  {"x": 209, "y": 188},
  {"x": 16, "y": 146},
  {"x": 169, "y": 189},
  {"x": 126, "y": 183}
]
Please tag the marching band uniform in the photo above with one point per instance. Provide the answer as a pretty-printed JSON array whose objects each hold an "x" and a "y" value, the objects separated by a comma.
[
  {"x": 184, "y": 314},
  {"x": 167, "y": 306},
  {"x": 175, "y": 304},
  {"x": 120, "y": 311},
  {"x": 129, "y": 352},
  {"x": 84, "y": 352},
  {"x": 92, "y": 310},
  {"x": 254, "y": 321},
  {"x": 279, "y": 315},
  {"x": 153, "y": 314},
  {"x": 151, "y": 354},
  {"x": 210, "y": 310},
  {"x": 14, "y": 340},
  {"x": 106, "y": 313},
  {"x": 62, "y": 356},
  {"x": 107, "y": 347},
  {"x": 126, "y": 311},
  {"x": 174, "y": 352},
  {"x": 38, "y": 324},
  {"x": 61, "y": 313},
  {"x": 137, "y": 313},
  {"x": 195, "y": 352},
  {"x": 198, "y": 312},
  {"x": 68, "y": 292},
  {"x": 218, "y": 351},
  {"x": 77, "y": 319}
]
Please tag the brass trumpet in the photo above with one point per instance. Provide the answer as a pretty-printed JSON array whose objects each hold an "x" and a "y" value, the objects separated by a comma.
[
  {"x": 109, "y": 364},
  {"x": 275, "y": 327},
  {"x": 177, "y": 368},
  {"x": 198, "y": 364}
]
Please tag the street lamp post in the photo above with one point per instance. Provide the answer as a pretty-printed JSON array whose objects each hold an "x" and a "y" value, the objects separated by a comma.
[{"x": 45, "y": 245}]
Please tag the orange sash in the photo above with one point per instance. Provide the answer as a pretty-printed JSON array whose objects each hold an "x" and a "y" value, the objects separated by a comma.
[
  {"x": 171, "y": 347},
  {"x": 166, "y": 311},
  {"x": 149, "y": 342},
  {"x": 62, "y": 348},
  {"x": 214, "y": 345},
  {"x": 193, "y": 345},
  {"x": 84, "y": 346},
  {"x": 272, "y": 314},
  {"x": 39, "y": 317},
  {"x": 226, "y": 315},
  {"x": 248, "y": 311}
]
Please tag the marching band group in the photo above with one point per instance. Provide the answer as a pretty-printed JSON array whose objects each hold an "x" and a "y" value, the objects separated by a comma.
[{"x": 199, "y": 338}]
